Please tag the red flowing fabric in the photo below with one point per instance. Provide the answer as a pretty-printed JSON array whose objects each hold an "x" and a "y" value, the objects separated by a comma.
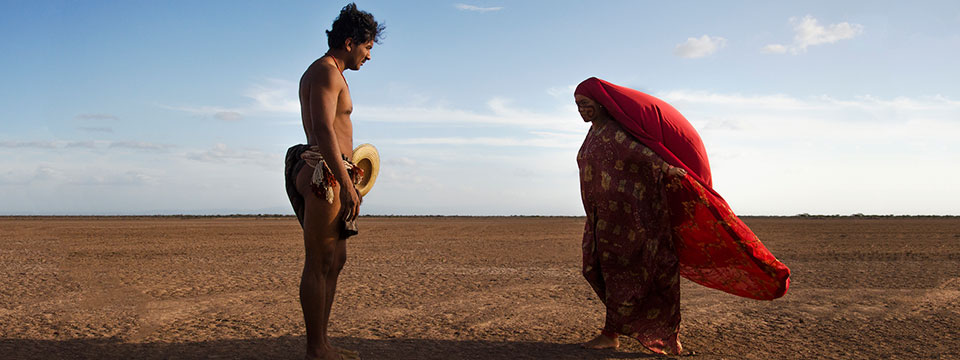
[{"x": 715, "y": 248}]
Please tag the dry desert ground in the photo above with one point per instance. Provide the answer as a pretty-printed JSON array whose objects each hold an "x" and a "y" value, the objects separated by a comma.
[{"x": 454, "y": 288}]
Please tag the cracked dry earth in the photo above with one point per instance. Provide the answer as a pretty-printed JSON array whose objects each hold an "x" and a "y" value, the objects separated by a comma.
[{"x": 454, "y": 288}]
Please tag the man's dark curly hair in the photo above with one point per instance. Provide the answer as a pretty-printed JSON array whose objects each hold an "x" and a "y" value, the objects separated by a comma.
[{"x": 355, "y": 24}]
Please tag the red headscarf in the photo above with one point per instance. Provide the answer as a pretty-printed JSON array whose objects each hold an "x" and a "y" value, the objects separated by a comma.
[{"x": 654, "y": 123}]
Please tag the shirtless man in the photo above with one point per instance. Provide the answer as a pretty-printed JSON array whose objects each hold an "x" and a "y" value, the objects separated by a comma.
[{"x": 320, "y": 181}]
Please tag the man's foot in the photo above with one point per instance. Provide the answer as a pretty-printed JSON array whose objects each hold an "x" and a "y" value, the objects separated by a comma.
[
  {"x": 324, "y": 356},
  {"x": 334, "y": 353},
  {"x": 601, "y": 342},
  {"x": 347, "y": 354}
]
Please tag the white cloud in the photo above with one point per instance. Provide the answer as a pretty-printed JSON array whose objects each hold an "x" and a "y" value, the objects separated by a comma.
[
  {"x": 82, "y": 144},
  {"x": 400, "y": 161},
  {"x": 97, "y": 117},
  {"x": 500, "y": 113},
  {"x": 94, "y": 144},
  {"x": 537, "y": 139},
  {"x": 26, "y": 176},
  {"x": 63, "y": 174},
  {"x": 778, "y": 154},
  {"x": 276, "y": 96},
  {"x": 31, "y": 144},
  {"x": 46, "y": 173},
  {"x": 273, "y": 96},
  {"x": 140, "y": 145},
  {"x": 221, "y": 153},
  {"x": 208, "y": 110},
  {"x": 808, "y": 32},
  {"x": 775, "y": 49},
  {"x": 466, "y": 7},
  {"x": 700, "y": 47},
  {"x": 124, "y": 178},
  {"x": 228, "y": 116},
  {"x": 138, "y": 182},
  {"x": 102, "y": 129},
  {"x": 859, "y": 108},
  {"x": 562, "y": 92},
  {"x": 775, "y": 101}
]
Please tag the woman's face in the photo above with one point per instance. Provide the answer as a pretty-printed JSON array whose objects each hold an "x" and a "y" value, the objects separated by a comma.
[{"x": 589, "y": 109}]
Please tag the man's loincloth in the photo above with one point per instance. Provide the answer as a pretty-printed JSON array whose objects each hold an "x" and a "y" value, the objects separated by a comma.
[{"x": 322, "y": 182}]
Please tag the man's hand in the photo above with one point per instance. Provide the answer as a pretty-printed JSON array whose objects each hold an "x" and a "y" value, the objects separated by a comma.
[{"x": 349, "y": 202}]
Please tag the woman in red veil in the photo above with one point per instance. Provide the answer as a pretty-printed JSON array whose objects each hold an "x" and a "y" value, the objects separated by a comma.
[{"x": 653, "y": 216}]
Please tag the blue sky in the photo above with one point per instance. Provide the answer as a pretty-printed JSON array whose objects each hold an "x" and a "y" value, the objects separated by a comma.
[{"x": 137, "y": 107}]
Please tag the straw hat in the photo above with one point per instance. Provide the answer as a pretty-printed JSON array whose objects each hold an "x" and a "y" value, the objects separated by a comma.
[{"x": 367, "y": 158}]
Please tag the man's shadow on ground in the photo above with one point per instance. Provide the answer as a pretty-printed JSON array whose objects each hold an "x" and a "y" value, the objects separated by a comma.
[{"x": 291, "y": 347}]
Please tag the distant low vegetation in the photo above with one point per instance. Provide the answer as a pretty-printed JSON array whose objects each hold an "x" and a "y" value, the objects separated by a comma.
[{"x": 861, "y": 215}]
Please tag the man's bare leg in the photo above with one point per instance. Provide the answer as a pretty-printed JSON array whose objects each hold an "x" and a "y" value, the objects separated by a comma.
[
  {"x": 325, "y": 254},
  {"x": 315, "y": 284},
  {"x": 340, "y": 258}
]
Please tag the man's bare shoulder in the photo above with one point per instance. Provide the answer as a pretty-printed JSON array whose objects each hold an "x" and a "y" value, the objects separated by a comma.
[{"x": 323, "y": 74}]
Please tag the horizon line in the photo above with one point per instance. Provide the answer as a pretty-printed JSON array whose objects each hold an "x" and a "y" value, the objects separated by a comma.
[{"x": 268, "y": 215}]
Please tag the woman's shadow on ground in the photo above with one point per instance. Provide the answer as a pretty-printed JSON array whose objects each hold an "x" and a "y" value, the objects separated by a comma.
[{"x": 291, "y": 347}]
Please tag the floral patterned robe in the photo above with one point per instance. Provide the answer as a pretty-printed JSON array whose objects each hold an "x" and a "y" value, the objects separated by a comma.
[{"x": 629, "y": 255}]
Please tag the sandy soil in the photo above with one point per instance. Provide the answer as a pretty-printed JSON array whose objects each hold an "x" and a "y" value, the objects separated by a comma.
[{"x": 454, "y": 288}]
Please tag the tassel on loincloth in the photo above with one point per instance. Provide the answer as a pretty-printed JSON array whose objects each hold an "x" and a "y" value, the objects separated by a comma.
[
  {"x": 323, "y": 179},
  {"x": 322, "y": 182}
]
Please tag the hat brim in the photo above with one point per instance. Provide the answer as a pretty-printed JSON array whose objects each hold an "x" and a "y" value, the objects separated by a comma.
[{"x": 367, "y": 158}]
